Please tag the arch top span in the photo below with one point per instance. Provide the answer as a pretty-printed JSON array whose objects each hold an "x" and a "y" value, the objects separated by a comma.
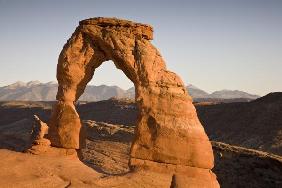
[
  {"x": 139, "y": 29},
  {"x": 168, "y": 130}
]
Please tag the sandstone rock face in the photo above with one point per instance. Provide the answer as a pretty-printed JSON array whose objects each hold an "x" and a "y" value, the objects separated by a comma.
[{"x": 168, "y": 130}]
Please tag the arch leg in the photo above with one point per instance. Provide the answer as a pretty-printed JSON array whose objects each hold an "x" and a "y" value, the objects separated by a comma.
[{"x": 75, "y": 69}]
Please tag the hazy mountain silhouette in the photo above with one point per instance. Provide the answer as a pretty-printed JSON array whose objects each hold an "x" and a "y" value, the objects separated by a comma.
[
  {"x": 37, "y": 91},
  {"x": 196, "y": 92},
  {"x": 231, "y": 94}
]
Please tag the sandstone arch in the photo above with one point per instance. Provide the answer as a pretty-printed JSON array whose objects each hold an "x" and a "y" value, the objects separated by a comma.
[{"x": 168, "y": 130}]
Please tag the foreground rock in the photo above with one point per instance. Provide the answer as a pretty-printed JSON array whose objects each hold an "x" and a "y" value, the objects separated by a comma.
[
  {"x": 169, "y": 136},
  {"x": 26, "y": 170}
]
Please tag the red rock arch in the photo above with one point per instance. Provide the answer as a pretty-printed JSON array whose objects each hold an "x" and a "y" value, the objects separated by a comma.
[{"x": 168, "y": 130}]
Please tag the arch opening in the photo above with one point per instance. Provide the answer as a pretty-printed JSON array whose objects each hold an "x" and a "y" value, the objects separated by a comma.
[
  {"x": 108, "y": 74},
  {"x": 107, "y": 82},
  {"x": 110, "y": 126}
]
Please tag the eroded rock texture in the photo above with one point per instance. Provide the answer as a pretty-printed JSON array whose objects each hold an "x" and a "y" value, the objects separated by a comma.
[{"x": 169, "y": 134}]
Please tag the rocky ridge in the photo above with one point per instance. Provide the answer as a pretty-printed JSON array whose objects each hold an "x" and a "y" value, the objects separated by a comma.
[{"x": 256, "y": 124}]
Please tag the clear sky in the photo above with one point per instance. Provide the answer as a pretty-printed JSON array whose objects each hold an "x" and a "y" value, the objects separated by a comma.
[{"x": 213, "y": 44}]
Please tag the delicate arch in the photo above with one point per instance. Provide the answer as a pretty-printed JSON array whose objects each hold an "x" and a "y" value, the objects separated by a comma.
[{"x": 168, "y": 130}]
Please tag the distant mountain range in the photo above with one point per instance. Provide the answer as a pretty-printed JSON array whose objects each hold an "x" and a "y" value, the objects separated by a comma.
[
  {"x": 37, "y": 91},
  {"x": 197, "y": 93}
]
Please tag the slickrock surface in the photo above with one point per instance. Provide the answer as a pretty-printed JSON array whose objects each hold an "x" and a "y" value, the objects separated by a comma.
[
  {"x": 26, "y": 171},
  {"x": 168, "y": 131}
]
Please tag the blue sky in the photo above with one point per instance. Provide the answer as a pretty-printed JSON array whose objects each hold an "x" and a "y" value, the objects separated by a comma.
[{"x": 213, "y": 44}]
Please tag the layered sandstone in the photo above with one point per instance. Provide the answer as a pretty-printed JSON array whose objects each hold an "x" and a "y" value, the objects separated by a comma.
[{"x": 168, "y": 130}]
